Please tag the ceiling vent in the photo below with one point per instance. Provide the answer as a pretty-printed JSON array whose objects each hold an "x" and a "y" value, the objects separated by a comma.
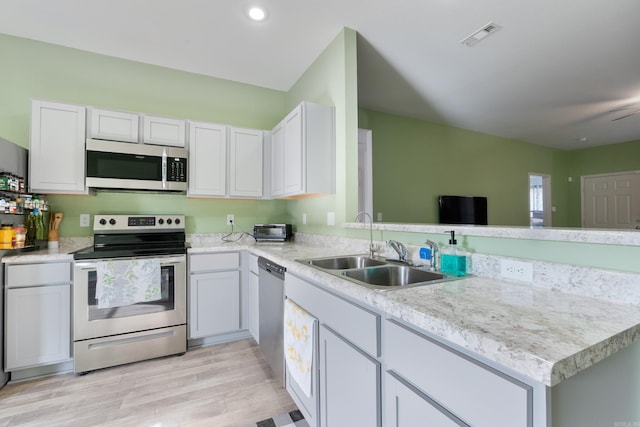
[{"x": 480, "y": 34}]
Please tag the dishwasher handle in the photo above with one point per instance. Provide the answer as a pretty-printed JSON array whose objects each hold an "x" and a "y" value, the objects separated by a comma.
[{"x": 271, "y": 267}]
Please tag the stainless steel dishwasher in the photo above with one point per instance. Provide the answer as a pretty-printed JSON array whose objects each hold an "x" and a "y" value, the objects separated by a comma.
[{"x": 271, "y": 314}]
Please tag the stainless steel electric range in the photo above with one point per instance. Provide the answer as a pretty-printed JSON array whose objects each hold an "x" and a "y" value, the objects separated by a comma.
[{"x": 129, "y": 293}]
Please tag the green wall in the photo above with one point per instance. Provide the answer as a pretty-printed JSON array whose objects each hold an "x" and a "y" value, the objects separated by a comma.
[
  {"x": 332, "y": 80},
  {"x": 43, "y": 71},
  {"x": 38, "y": 70},
  {"x": 622, "y": 157},
  {"x": 415, "y": 161}
]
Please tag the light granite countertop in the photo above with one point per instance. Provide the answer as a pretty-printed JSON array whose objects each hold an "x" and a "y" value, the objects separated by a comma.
[{"x": 543, "y": 334}]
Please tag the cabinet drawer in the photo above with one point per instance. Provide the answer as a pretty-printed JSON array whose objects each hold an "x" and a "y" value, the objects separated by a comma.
[
  {"x": 208, "y": 262},
  {"x": 20, "y": 275},
  {"x": 355, "y": 323},
  {"x": 476, "y": 393}
]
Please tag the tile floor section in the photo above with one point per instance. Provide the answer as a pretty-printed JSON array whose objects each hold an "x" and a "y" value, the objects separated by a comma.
[{"x": 291, "y": 419}]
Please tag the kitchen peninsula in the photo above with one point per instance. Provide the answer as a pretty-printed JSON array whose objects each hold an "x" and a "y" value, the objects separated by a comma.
[{"x": 564, "y": 346}]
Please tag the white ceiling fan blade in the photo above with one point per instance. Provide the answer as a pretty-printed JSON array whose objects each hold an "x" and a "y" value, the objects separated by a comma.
[{"x": 626, "y": 115}]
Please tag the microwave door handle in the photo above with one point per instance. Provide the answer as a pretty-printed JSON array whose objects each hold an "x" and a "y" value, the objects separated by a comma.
[{"x": 164, "y": 169}]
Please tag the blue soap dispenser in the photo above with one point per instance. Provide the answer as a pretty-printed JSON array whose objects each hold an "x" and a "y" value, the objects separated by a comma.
[{"x": 452, "y": 259}]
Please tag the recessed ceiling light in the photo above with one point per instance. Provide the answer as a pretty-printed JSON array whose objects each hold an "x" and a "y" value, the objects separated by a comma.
[
  {"x": 480, "y": 34},
  {"x": 257, "y": 13}
]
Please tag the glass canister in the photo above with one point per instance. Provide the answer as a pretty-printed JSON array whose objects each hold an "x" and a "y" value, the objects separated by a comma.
[{"x": 20, "y": 235}]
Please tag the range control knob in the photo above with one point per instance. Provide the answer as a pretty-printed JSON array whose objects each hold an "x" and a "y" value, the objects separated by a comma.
[
  {"x": 169, "y": 221},
  {"x": 112, "y": 221},
  {"x": 177, "y": 221},
  {"x": 161, "y": 221},
  {"x": 103, "y": 221}
]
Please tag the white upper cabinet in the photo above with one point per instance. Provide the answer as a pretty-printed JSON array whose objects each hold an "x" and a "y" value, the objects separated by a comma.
[
  {"x": 303, "y": 152},
  {"x": 207, "y": 160},
  {"x": 163, "y": 131},
  {"x": 245, "y": 162},
  {"x": 277, "y": 160},
  {"x": 225, "y": 161},
  {"x": 56, "y": 148},
  {"x": 112, "y": 125}
]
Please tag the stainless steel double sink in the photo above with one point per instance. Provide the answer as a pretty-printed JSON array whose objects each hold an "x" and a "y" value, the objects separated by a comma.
[{"x": 376, "y": 273}]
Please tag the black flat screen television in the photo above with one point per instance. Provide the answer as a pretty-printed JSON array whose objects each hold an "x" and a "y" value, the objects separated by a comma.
[{"x": 463, "y": 210}]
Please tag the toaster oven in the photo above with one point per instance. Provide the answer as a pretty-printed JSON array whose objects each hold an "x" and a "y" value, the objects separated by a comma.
[{"x": 272, "y": 232}]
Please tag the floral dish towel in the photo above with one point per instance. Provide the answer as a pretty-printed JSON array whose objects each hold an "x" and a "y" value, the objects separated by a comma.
[{"x": 126, "y": 282}]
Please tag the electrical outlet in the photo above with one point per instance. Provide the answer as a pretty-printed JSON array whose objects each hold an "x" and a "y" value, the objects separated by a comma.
[
  {"x": 379, "y": 216},
  {"x": 516, "y": 270},
  {"x": 85, "y": 220},
  {"x": 331, "y": 218},
  {"x": 231, "y": 219}
]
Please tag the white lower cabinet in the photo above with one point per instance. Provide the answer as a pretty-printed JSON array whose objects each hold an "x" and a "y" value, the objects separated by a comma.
[
  {"x": 463, "y": 390},
  {"x": 349, "y": 383},
  {"x": 347, "y": 391},
  {"x": 214, "y": 294},
  {"x": 254, "y": 298},
  {"x": 406, "y": 406},
  {"x": 38, "y": 315}
]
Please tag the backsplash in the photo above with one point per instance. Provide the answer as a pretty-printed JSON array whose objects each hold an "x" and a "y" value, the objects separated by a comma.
[{"x": 610, "y": 285}]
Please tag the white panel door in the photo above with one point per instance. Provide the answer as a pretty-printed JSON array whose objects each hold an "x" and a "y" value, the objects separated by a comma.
[
  {"x": 214, "y": 303},
  {"x": 294, "y": 156},
  {"x": 611, "y": 201},
  {"x": 163, "y": 131},
  {"x": 406, "y": 406},
  {"x": 245, "y": 163},
  {"x": 56, "y": 148},
  {"x": 207, "y": 159},
  {"x": 277, "y": 161},
  {"x": 113, "y": 125},
  {"x": 349, "y": 384},
  {"x": 38, "y": 326}
]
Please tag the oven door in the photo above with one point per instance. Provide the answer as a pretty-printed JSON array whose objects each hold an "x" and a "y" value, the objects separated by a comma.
[{"x": 90, "y": 321}]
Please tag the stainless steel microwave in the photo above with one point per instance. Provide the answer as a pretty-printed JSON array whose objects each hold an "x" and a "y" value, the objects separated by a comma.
[{"x": 129, "y": 166}]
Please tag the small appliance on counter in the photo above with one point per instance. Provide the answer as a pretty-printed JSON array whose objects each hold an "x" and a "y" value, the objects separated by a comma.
[{"x": 272, "y": 232}]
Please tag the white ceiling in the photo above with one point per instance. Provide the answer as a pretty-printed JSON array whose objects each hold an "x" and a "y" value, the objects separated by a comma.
[{"x": 550, "y": 76}]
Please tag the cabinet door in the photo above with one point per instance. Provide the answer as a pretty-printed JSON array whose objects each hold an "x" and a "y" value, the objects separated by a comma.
[
  {"x": 113, "y": 125},
  {"x": 349, "y": 384},
  {"x": 38, "y": 326},
  {"x": 214, "y": 303},
  {"x": 277, "y": 161},
  {"x": 56, "y": 148},
  {"x": 406, "y": 406},
  {"x": 254, "y": 319},
  {"x": 207, "y": 159},
  {"x": 163, "y": 131},
  {"x": 245, "y": 163},
  {"x": 294, "y": 153}
]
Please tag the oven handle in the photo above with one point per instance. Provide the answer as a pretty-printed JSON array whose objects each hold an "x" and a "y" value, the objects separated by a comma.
[{"x": 164, "y": 261}]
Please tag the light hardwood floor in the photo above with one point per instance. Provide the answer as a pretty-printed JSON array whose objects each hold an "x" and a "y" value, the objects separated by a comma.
[{"x": 223, "y": 385}]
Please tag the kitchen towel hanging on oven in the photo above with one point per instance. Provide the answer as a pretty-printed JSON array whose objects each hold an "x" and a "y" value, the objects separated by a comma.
[{"x": 126, "y": 282}]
